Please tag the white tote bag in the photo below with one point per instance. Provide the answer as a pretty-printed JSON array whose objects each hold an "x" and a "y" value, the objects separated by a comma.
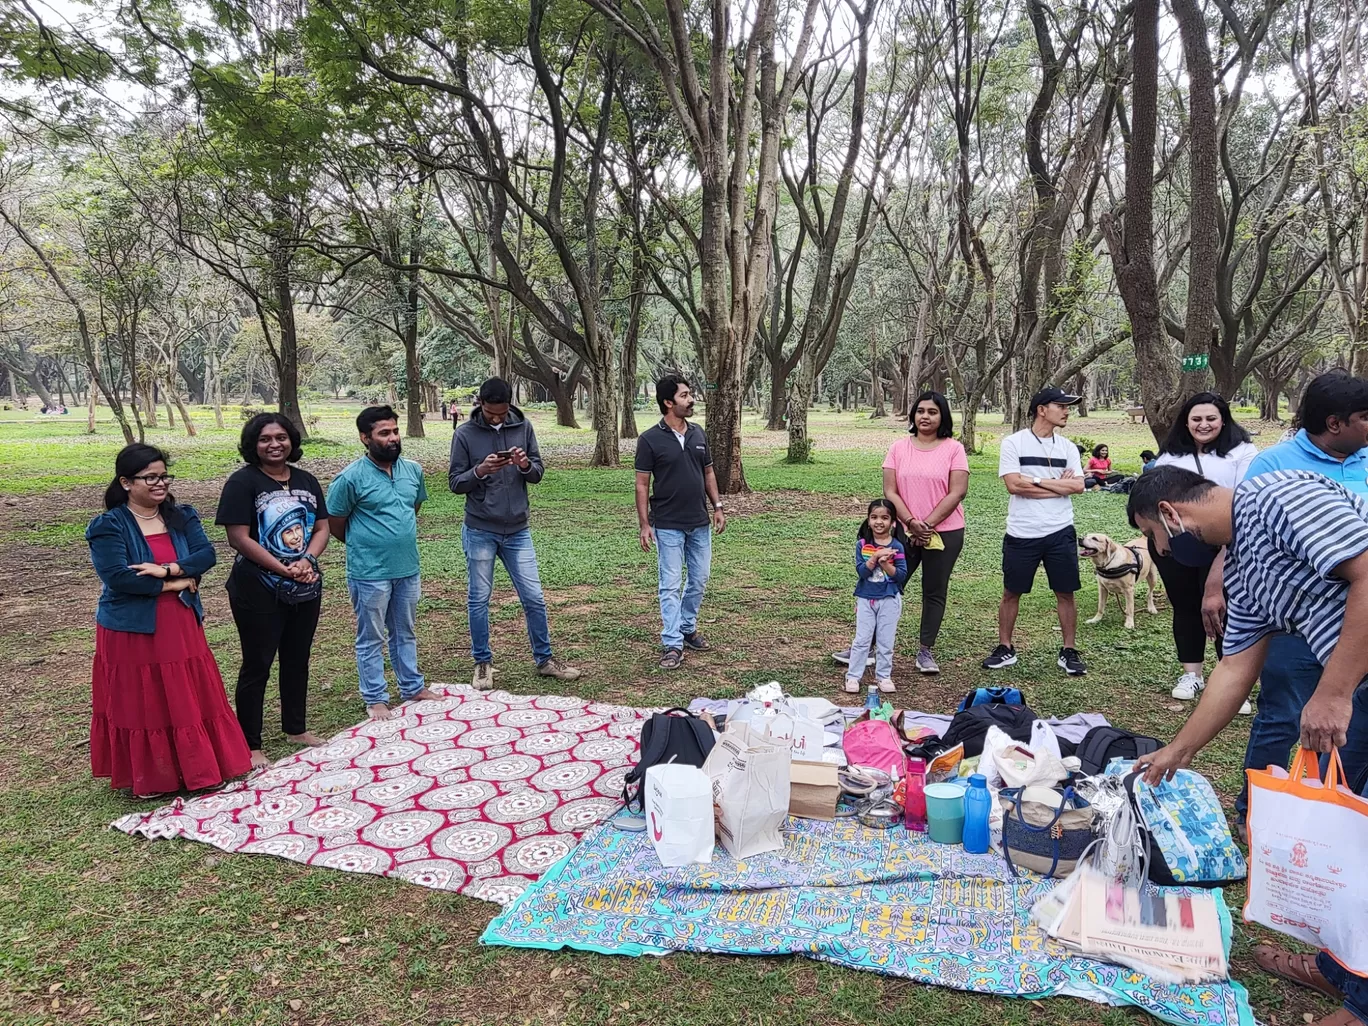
[
  {"x": 804, "y": 737},
  {"x": 679, "y": 814},
  {"x": 1306, "y": 845},
  {"x": 750, "y": 790}
]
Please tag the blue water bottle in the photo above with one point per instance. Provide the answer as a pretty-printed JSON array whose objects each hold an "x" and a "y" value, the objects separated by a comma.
[
  {"x": 977, "y": 803},
  {"x": 872, "y": 702}
]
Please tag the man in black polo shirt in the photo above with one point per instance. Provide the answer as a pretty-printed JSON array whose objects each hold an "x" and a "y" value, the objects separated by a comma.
[{"x": 676, "y": 454}]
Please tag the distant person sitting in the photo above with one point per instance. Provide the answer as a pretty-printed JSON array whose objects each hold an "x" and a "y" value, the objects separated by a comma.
[
  {"x": 1099, "y": 469},
  {"x": 1148, "y": 458}
]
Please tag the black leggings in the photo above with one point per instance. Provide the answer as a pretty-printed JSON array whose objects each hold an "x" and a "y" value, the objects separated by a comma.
[
  {"x": 936, "y": 566},
  {"x": 264, "y": 629},
  {"x": 1185, "y": 586}
]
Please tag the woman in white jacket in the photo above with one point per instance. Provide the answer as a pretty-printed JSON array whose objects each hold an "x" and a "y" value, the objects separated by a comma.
[{"x": 1204, "y": 439}]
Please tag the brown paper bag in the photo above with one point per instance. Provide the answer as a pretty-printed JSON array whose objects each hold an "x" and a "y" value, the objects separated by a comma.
[{"x": 813, "y": 790}]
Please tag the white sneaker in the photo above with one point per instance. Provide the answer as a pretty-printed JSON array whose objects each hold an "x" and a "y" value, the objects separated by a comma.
[
  {"x": 1189, "y": 686},
  {"x": 1246, "y": 709}
]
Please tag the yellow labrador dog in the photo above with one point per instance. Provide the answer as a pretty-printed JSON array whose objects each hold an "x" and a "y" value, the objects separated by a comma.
[{"x": 1119, "y": 569}]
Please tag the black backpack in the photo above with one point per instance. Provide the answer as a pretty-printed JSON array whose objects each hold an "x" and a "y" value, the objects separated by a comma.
[
  {"x": 1103, "y": 744},
  {"x": 970, "y": 727},
  {"x": 675, "y": 735}
]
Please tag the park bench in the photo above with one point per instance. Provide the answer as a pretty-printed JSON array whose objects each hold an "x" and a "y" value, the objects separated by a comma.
[{"x": 1136, "y": 414}]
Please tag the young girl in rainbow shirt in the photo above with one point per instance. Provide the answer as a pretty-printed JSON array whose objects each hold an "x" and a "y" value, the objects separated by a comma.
[{"x": 881, "y": 564}]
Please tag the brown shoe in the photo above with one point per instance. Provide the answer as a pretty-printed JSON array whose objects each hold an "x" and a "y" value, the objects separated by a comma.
[
  {"x": 1297, "y": 968},
  {"x": 484, "y": 676},
  {"x": 671, "y": 659},
  {"x": 553, "y": 667}
]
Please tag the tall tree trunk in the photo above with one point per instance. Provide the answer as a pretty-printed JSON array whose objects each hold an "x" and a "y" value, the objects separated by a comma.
[
  {"x": 779, "y": 395},
  {"x": 1203, "y": 207},
  {"x": 802, "y": 387},
  {"x": 631, "y": 341},
  {"x": 147, "y": 387},
  {"x": 287, "y": 344},
  {"x": 1132, "y": 249},
  {"x": 173, "y": 394},
  {"x": 604, "y": 409},
  {"x": 413, "y": 373},
  {"x": 217, "y": 393},
  {"x": 875, "y": 381}
]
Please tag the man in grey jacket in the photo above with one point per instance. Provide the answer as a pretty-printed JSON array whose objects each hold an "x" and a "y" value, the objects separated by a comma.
[{"x": 494, "y": 457}]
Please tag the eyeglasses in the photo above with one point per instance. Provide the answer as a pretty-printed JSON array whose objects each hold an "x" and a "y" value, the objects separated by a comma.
[{"x": 152, "y": 479}]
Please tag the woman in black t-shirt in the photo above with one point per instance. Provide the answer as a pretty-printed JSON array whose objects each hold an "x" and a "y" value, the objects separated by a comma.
[{"x": 277, "y": 523}]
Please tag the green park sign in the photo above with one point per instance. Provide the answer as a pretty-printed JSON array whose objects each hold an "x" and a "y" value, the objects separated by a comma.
[{"x": 1197, "y": 362}]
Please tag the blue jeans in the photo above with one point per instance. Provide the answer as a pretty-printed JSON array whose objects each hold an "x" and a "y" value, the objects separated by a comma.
[
  {"x": 520, "y": 560},
  {"x": 381, "y": 607},
  {"x": 1289, "y": 678},
  {"x": 680, "y": 600},
  {"x": 1354, "y": 988}
]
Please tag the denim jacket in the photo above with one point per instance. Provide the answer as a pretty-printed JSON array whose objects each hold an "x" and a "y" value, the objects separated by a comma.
[{"x": 129, "y": 602}]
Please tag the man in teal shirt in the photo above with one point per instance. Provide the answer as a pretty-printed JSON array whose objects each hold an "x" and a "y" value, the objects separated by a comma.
[
  {"x": 1331, "y": 443},
  {"x": 373, "y": 509}
]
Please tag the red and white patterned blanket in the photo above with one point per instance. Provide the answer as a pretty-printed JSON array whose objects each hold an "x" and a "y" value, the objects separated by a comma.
[{"x": 479, "y": 793}]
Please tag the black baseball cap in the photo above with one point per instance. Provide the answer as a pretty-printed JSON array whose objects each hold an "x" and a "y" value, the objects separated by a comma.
[{"x": 1053, "y": 394}]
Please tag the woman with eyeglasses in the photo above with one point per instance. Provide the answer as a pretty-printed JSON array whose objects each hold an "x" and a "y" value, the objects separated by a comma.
[{"x": 160, "y": 721}]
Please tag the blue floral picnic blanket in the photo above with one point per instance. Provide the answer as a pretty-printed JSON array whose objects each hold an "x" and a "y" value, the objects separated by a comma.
[{"x": 885, "y": 901}]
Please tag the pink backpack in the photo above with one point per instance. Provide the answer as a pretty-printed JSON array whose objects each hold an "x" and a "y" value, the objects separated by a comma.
[{"x": 875, "y": 743}]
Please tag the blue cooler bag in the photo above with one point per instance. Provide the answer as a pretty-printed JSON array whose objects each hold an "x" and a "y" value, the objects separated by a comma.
[{"x": 1187, "y": 834}]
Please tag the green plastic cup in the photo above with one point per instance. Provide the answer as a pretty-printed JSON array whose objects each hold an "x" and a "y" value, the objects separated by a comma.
[{"x": 945, "y": 812}]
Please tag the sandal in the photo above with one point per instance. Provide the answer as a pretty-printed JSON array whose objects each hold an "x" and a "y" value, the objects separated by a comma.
[{"x": 1297, "y": 968}]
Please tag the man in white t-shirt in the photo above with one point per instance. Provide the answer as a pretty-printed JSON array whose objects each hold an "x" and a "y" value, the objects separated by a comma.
[{"x": 1042, "y": 472}]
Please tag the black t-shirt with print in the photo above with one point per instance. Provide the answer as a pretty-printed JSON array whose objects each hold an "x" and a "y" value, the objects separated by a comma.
[{"x": 279, "y": 517}]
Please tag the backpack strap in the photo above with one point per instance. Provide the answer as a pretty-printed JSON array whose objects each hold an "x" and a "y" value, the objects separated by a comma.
[
  {"x": 655, "y": 738},
  {"x": 703, "y": 734}
]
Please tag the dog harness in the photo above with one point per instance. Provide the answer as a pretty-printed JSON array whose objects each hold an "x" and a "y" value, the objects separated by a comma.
[{"x": 1115, "y": 573}]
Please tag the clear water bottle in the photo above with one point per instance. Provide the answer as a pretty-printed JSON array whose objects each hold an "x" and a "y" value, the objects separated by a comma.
[
  {"x": 872, "y": 701},
  {"x": 977, "y": 805}
]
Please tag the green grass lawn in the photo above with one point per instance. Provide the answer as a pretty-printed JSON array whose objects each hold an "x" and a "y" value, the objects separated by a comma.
[{"x": 103, "y": 928}]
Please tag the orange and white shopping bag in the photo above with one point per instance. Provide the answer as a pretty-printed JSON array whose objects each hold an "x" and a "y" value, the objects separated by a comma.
[{"x": 1308, "y": 852}]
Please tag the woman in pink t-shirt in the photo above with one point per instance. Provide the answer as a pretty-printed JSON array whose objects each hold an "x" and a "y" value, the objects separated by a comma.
[{"x": 926, "y": 477}]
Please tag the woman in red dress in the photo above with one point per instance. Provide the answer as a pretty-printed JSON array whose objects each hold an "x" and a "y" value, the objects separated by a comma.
[{"x": 160, "y": 720}]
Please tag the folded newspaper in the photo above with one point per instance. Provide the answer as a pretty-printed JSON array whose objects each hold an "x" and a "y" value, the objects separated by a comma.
[{"x": 1173, "y": 936}]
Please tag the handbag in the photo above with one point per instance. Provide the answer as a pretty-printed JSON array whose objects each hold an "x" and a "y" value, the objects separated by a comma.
[
  {"x": 290, "y": 592},
  {"x": 1188, "y": 837},
  {"x": 1044, "y": 830}
]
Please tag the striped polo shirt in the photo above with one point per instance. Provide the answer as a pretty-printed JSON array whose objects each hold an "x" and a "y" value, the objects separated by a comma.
[{"x": 1292, "y": 530}]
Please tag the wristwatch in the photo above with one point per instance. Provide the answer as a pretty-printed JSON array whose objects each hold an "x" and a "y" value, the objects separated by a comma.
[
  {"x": 1035, "y": 481},
  {"x": 167, "y": 568},
  {"x": 717, "y": 506}
]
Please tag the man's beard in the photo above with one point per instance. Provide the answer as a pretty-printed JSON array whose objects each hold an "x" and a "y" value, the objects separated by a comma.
[{"x": 385, "y": 452}]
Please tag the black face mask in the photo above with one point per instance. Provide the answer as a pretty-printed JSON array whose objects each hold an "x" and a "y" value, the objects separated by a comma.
[
  {"x": 385, "y": 452},
  {"x": 1187, "y": 549}
]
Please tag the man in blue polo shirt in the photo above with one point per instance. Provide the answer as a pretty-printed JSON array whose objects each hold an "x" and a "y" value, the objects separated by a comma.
[
  {"x": 1331, "y": 442},
  {"x": 373, "y": 508},
  {"x": 674, "y": 457}
]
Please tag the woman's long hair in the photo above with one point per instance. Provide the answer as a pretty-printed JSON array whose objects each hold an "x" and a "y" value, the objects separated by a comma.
[
  {"x": 132, "y": 461},
  {"x": 1179, "y": 441},
  {"x": 867, "y": 533}
]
